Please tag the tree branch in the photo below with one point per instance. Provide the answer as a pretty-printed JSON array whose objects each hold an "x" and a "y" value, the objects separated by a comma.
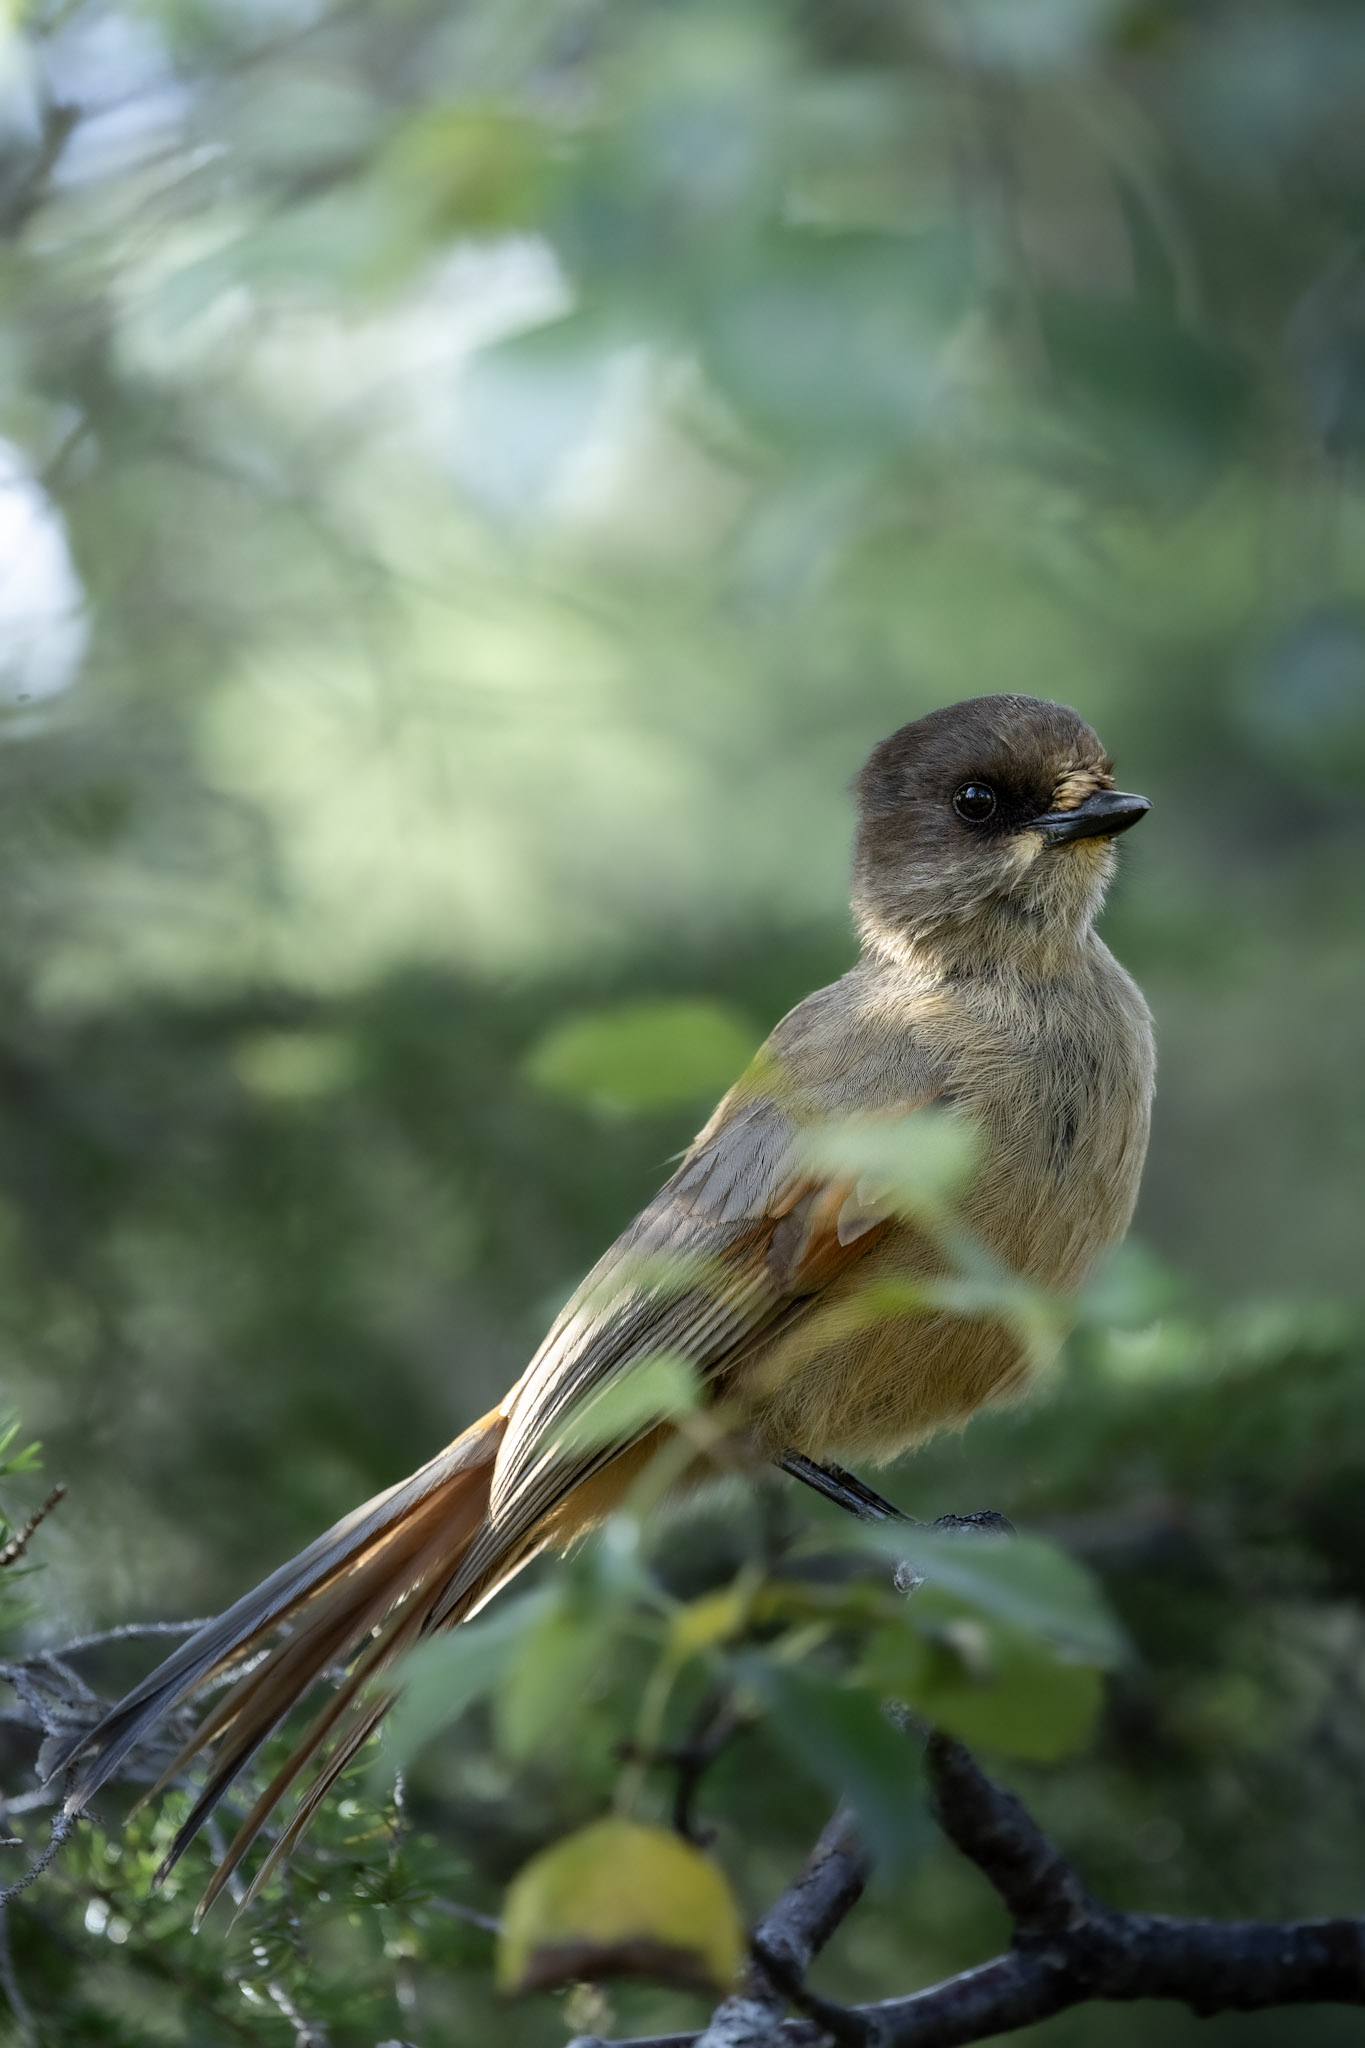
[
  {"x": 790, "y": 1935},
  {"x": 1067, "y": 1949},
  {"x": 995, "y": 1831}
]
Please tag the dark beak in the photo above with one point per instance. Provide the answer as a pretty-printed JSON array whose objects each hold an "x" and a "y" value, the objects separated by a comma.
[{"x": 1102, "y": 815}]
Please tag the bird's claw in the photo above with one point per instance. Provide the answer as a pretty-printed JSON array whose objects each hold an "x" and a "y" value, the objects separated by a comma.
[{"x": 986, "y": 1523}]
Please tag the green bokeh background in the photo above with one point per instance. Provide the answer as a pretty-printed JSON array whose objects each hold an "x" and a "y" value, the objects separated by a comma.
[{"x": 512, "y": 463}]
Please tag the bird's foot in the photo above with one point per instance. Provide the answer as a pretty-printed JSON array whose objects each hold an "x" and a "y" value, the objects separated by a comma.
[{"x": 986, "y": 1523}]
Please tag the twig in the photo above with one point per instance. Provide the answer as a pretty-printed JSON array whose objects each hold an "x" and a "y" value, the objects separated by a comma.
[
  {"x": 19, "y": 2006},
  {"x": 791, "y": 1933},
  {"x": 27, "y": 194},
  {"x": 713, "y": 1730},
  {"x": 61, "y": 1829},
  {"x": 694, "y": 1759},
  {"x": 469, "y": 1914},
  {"x": 307, "y": 2033},
  {"x": 843, "y": 2026},
  {"x": 126, "y": 1632},
  {"x": 827, "y": 1890},
  {"x": 19, "y": 1542}
]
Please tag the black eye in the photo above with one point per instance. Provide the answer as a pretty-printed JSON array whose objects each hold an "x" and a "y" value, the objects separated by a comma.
[{"x": 975, "y": 801}]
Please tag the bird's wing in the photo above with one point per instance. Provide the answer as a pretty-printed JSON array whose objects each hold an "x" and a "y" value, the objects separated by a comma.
[{"x": 744, "y": 1232}]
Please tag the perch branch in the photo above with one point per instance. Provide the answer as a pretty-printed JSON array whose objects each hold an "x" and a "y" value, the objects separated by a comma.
[{"x": 1067, "y": 1949}]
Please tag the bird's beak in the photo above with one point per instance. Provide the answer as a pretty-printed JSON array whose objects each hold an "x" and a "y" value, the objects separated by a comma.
[{"x": 1103, "y": 814}]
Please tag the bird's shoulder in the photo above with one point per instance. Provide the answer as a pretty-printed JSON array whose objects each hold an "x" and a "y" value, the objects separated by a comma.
[{"x": 866, "y": 1044}]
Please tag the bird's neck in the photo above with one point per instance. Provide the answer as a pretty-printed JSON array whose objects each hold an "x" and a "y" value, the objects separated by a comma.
[{"x": 999, "y": 940}]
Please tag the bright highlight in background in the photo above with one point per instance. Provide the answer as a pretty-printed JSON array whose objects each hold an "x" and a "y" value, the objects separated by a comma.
[{"x": 43, "y": 630}]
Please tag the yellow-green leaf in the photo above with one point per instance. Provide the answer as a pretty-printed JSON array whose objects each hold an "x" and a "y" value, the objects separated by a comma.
[
  {"x": 713, "y": 1619},
  {"x": 466, "y": 169},
  {"x": 619, "y": 1899}
]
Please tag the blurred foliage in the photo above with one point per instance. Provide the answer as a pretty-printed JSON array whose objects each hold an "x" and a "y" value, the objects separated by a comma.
[
  {"x": 642, "y": 1056},
  {"x": 473, "y": 485}
]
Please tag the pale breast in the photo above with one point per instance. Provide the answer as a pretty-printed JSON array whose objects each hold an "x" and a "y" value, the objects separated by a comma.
[{"x": 1060, "y": 1075}]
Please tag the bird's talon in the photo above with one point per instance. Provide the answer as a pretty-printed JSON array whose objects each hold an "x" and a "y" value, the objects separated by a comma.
[{"x": 986, "y": 1523}]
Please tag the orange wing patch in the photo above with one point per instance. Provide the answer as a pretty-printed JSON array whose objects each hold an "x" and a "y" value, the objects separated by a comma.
[{"x": 822, "y": 1227}]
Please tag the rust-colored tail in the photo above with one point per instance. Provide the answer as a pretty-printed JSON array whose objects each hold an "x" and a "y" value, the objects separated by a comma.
[{"x": 358, "y": 1596}]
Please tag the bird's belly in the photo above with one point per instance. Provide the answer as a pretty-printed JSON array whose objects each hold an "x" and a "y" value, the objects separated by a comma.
[
  {"x": 841, "y": 1384},
  {"x": 847, "y": 1380}
]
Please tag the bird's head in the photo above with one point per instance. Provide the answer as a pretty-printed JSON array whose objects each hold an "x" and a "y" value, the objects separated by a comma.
[{"x": 987, "y": 826}]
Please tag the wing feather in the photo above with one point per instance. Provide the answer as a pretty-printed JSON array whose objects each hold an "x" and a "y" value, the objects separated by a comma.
[{"x": 740, "y": 1234}]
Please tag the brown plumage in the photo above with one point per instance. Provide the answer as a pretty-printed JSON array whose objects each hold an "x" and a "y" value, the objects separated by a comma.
[{"x": 984, "y": 846}]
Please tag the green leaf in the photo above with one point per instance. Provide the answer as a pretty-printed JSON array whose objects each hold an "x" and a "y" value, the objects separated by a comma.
[
  {"x": 643, "y": 1056},
  {"x": 990, "y": 1685},
  {"x": 551, "y": 1670},
  {"x": 1025, "y": 1582},
  {"x": 27, "y": 1459},
  {"x": 842, "y": 1738},
  {"x": 905, "y": 1164},
  {"x": 653, "y": 1390},
  {"x": 1035, "y": 1705},
  {"x": 439, "y": 1679}
]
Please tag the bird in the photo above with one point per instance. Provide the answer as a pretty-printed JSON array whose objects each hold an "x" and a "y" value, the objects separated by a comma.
[{"x": 984, "y": 846}]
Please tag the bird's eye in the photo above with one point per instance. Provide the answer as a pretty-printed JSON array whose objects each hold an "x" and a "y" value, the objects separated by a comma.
[{"x": 975, "y": 802}]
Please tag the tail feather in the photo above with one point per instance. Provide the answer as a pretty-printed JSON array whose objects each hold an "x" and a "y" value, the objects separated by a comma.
[
  {"x": 355, "y": 1738},
  {"x": 336, "y": 1710},
  {"x": 363, "y": 1717},
  {"x": 341, "y": 1615},
  {"x": 262, "y": 1698},
  {"x": 395, "y": 1555},
  {"x": 272, "y": 1689}
]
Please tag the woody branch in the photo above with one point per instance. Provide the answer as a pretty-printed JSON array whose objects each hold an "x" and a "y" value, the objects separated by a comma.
[{"x": 1067, "y": 1948}]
